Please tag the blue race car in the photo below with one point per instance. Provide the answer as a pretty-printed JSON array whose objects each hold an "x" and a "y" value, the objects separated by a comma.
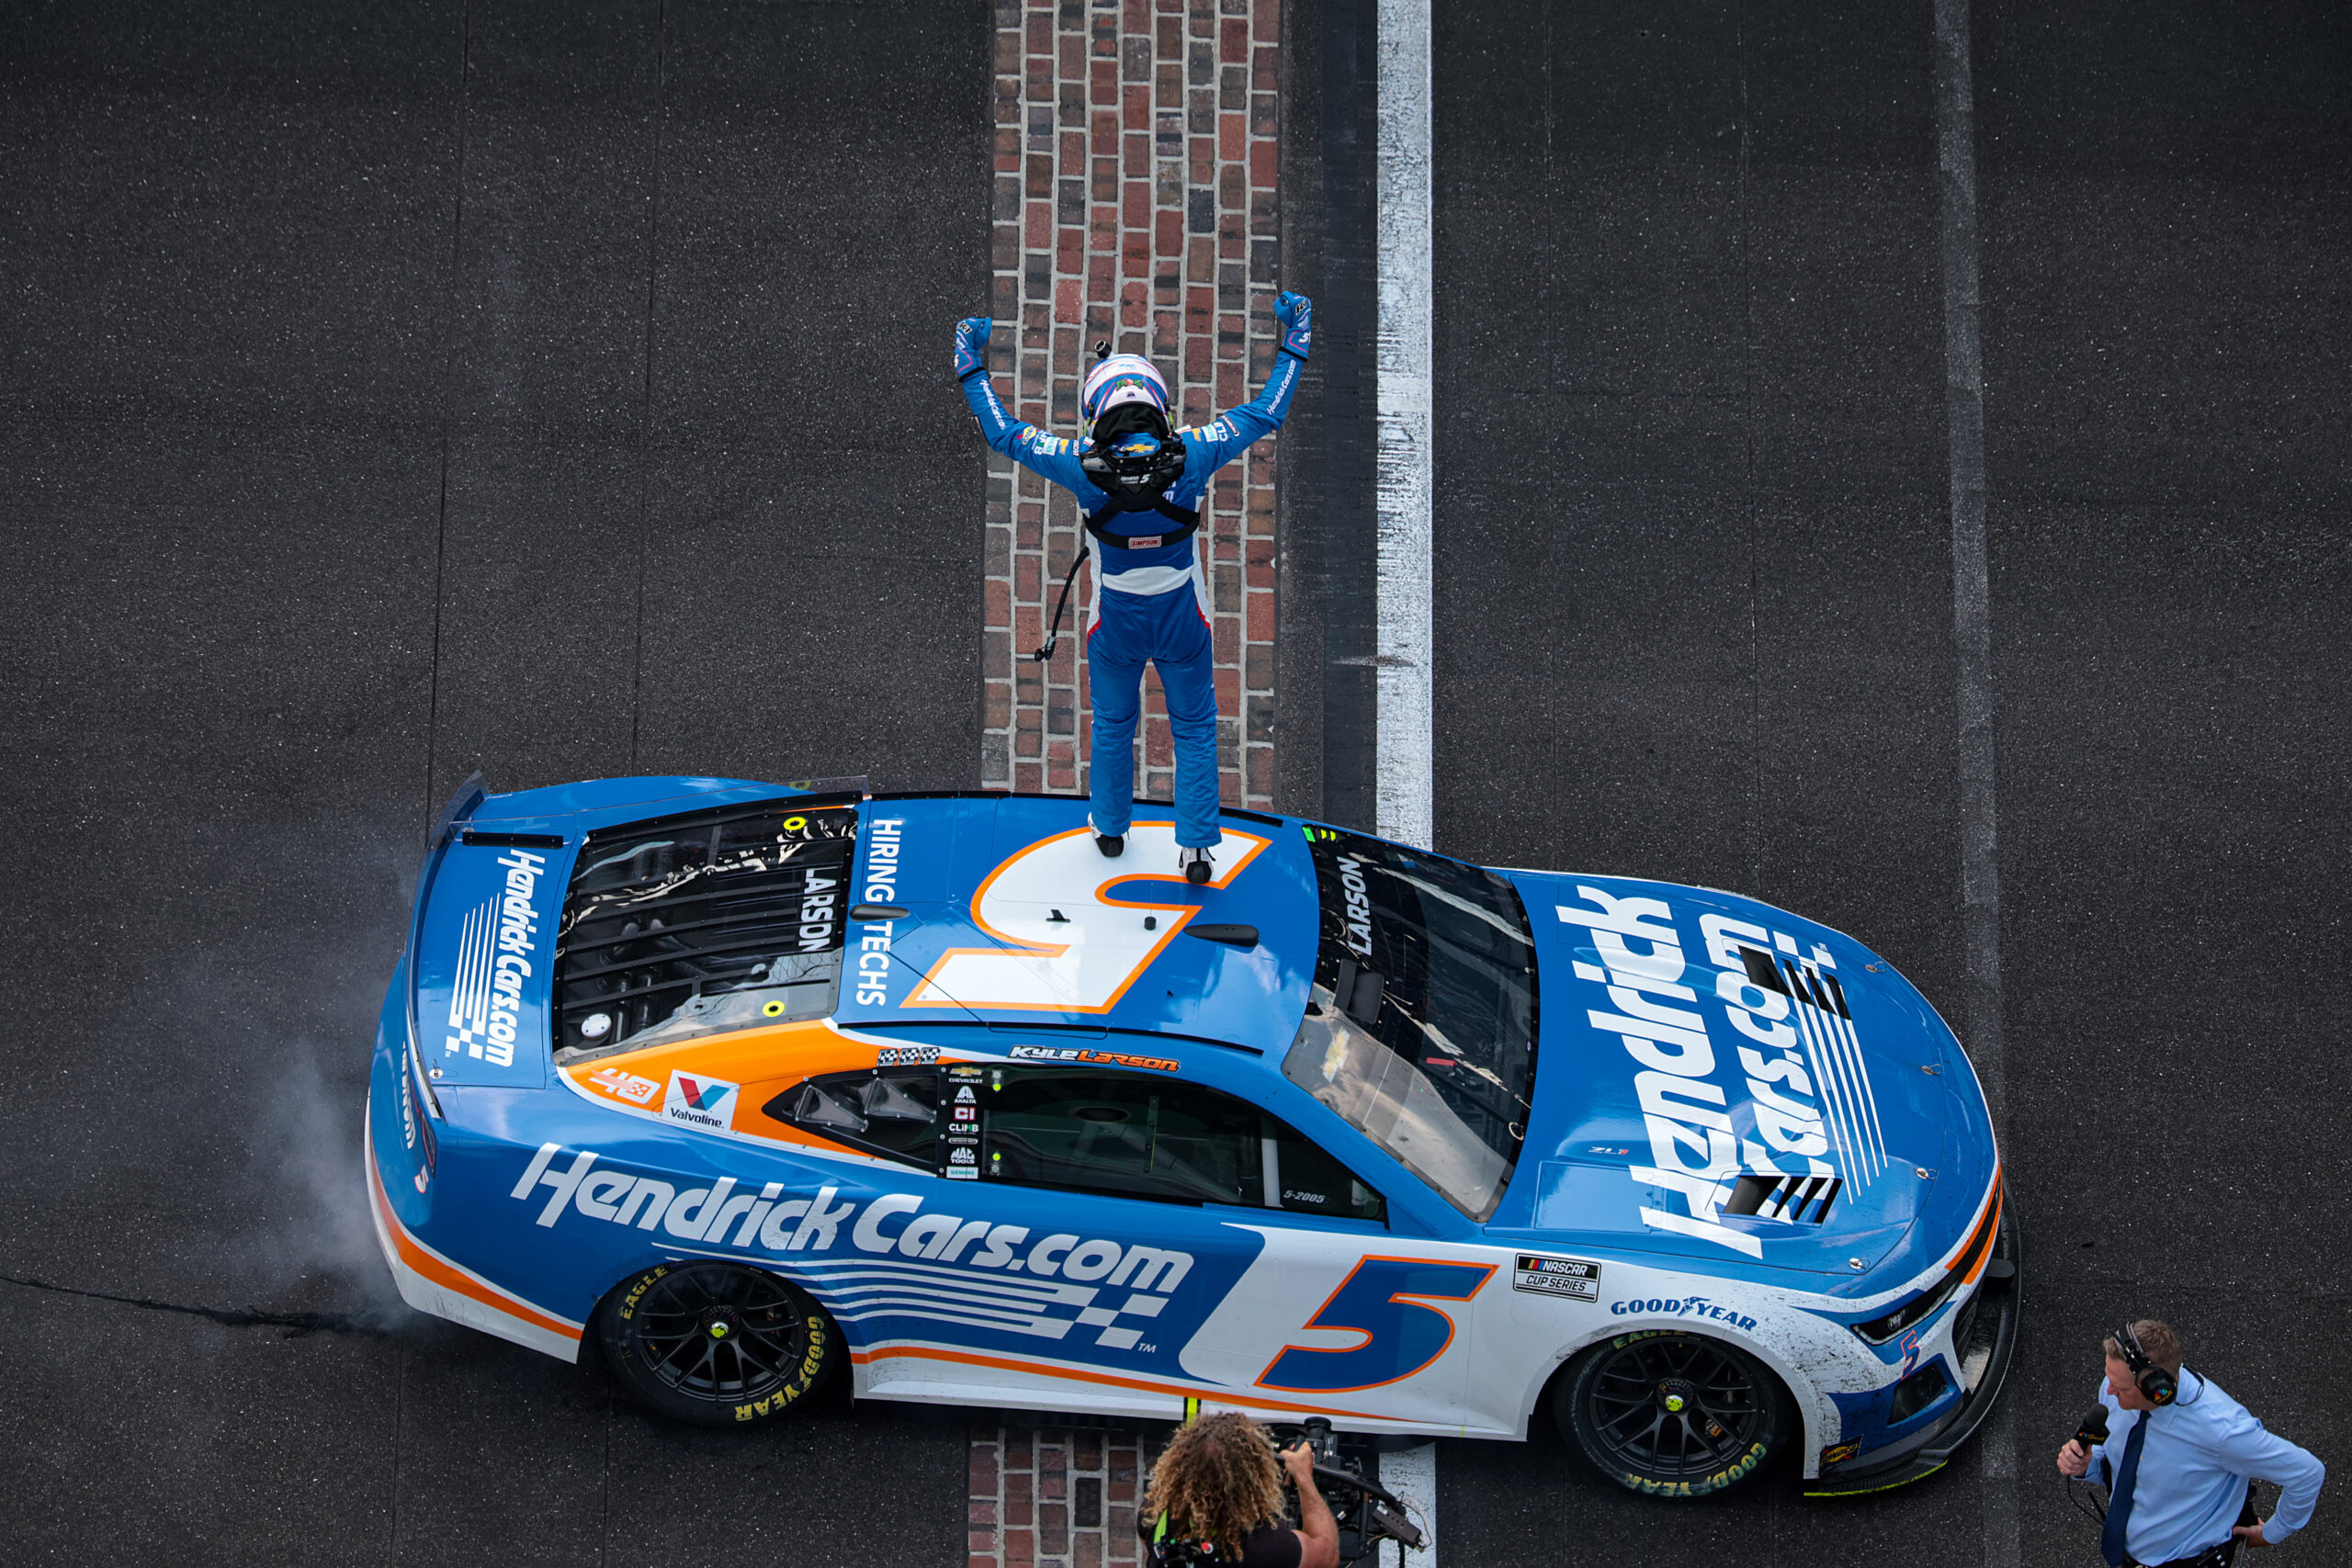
[{"x": 750, "y": 1082}]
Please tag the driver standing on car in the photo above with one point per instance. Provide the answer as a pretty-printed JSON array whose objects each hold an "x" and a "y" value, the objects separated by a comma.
[
  {"x": 1216, "y": 1496},
  {"x": 1140, "y": 484}
]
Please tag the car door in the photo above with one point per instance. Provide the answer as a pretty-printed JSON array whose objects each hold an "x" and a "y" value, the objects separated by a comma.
[
  {"x": 1050, "y": 1241},
  {"x": 1301, "y": 1298}
]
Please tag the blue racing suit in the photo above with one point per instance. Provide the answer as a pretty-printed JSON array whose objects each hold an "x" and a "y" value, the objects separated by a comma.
[{"x": 1150, "y": 603}]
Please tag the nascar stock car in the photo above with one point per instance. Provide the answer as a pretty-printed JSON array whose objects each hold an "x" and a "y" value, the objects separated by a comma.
[{"x": 744, "y": 1082}]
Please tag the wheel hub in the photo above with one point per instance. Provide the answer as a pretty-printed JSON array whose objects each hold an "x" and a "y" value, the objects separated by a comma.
[{"x": 1676, "y": 1396}]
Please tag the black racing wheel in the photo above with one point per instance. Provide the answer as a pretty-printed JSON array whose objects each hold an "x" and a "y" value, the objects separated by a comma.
[
  {"x": 717, "y": 1343},
  {"x": 1673, "y": 1414}
]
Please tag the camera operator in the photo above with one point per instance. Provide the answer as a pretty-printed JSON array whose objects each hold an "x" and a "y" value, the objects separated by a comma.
[
  {"x": 2179, "y": 1460},
  {"x": 1216, "y": 1496}
]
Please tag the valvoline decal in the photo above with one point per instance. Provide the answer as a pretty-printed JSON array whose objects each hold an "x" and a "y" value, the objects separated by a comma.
[{"x": 483, "y": 964}]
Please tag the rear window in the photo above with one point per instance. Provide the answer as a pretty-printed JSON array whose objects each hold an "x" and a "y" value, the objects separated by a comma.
[
  {"x": 713, "y": 921},
  {"x": 1420, "y": 1028}
]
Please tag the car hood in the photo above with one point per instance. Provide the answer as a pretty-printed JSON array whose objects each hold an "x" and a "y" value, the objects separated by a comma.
[{"x": 1702, "y": 1054}]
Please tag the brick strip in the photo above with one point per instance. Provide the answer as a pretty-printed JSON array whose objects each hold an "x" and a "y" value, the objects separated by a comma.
[
  {"x": 1134, "y": 203},
  {"x": 1051, "y": 1498}
]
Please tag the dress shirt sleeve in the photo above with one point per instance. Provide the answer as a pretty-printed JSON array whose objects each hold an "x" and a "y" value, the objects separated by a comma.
[{"x": 2247, "y": 1449}]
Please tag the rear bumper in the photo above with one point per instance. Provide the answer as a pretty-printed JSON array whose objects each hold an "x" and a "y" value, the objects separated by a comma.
[
  {"x": 1988, "y": 1344},
  {"x": 433, "y": 1282}
]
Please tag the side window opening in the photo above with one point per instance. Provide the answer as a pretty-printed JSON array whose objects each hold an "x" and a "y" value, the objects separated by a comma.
[
  {"x": 1302, "y": 1179},
  {"x": 1160, "y": 1139},
  {"x": 1121, "y": 1136}
]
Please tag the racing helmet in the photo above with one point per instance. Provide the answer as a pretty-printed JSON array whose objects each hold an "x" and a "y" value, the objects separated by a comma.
[{"x": 1120, "y": 379}]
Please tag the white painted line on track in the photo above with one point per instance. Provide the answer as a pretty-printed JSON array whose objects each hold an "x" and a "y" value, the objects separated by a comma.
[
  {"x": 1980, "y": 886},
  {"x": 1402, "y": 777},
  {"x": 1411, "y": 1473}
]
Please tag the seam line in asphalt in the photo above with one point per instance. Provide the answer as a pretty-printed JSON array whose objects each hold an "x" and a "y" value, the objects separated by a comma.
[
  {"x": 1403, "y": 799},
  {"x": 1980, "y": 888},
  {"x": 645, "y": 435},
  {"x": 449, "y": 411},
  {"x": 1748, "y": 475}
]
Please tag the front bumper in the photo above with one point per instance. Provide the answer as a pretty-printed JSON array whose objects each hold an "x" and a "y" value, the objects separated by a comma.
[{"x": 1987, "y": 1343}]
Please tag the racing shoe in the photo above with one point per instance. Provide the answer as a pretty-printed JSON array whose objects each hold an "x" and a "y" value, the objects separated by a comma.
[
  {"x": 1198, "y": 866},
  {"x": 1113, "y": 845}
]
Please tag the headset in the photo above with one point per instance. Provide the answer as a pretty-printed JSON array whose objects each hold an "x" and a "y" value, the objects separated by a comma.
[{"x": 2159, "y": 1386}]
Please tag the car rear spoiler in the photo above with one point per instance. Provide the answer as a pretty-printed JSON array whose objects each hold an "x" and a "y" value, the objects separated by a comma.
[{"x": 463, "y": 806}]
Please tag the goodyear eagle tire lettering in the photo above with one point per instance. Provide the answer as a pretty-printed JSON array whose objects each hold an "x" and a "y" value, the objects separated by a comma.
[
  {"x": 715, "y": 1343},
  {"x": 1673, "y": 1414}
]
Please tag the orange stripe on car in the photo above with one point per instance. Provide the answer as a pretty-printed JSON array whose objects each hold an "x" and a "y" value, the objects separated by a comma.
[
  {"x": 1107, "y": 1380},
  {"x": 424, "y": 1260},
  {"x": 764, "y": 1061}
]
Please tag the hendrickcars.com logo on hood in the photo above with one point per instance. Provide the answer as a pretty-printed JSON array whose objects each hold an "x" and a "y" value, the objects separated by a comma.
[{"x": 1792, "y": 1079}]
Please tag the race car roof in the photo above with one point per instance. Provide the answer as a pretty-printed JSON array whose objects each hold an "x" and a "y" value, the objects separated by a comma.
[{"x": 1012, "y": 915}]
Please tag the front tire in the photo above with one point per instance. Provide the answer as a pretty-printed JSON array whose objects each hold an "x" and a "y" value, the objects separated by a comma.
[
  {"x": 1673, "y": 1414},
  {"x": 716, "y": 1344}
]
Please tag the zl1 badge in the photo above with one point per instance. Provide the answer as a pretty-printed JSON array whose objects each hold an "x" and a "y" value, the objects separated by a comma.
[{"x": 1571, "y": 1276}]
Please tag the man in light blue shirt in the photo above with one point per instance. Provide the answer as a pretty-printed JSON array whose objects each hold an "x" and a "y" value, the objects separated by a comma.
[{"x": 2180, "y": 1485}]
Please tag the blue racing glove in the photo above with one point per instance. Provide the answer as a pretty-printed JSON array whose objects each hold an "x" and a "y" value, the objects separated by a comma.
[
  {"x": 971, "y": 341},
  {"x": 1294, "y": 313}
]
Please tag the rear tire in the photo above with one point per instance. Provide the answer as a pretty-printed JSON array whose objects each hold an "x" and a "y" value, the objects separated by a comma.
[
  {"x": 1673, "y": 1414},
  {"x": 716, "y": 1344}
]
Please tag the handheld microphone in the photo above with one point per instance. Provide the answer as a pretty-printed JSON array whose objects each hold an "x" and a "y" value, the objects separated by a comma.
[
  {"x": 2090, "y": 1434},
  {"x": 2093, "y": 1431}
]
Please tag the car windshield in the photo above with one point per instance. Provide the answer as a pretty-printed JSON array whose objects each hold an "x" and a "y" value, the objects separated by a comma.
[{"x": 1420, "y": 1030}]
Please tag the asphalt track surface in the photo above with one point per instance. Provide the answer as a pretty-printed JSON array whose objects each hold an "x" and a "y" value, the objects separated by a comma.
[{"x": 395, "y": 390}]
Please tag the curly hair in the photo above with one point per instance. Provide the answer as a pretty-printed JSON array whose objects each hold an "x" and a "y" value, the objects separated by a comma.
[{"x": 1216, "y": 1481}]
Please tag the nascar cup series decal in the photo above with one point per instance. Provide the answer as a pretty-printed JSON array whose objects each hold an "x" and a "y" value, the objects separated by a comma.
[
  {"x": 1570, "y": 1277},
  {"x": 1800, "y": 1078},
  {"x": 494, "y": 960},
  {"x": 898, "y": 1262}
]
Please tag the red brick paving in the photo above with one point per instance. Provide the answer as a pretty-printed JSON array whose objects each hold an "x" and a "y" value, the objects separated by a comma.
[
  {"x": 1099, "y": 1473},
  {"x": 1134, "y": 202}
]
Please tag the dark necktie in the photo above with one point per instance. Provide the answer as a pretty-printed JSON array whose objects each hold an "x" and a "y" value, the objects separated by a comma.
[{"x": 2118, "y": 1502}]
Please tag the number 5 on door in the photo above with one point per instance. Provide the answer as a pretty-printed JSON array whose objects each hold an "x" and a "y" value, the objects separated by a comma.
[{"x": 1401, "y": 1336}]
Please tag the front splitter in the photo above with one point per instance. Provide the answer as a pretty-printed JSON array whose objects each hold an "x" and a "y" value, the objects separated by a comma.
[{"x": 1923, "y": 1453}]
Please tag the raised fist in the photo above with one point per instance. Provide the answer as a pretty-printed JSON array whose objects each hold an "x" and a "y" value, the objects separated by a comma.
[
  {"x": 971, "y": 340},
  {"x": 1294, "y": 313}
]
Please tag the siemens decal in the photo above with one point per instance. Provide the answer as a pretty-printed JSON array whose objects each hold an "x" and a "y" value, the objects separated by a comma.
[
  {"x": 494, "y": 948},
  {"x": 1700, "y": 1139}
]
